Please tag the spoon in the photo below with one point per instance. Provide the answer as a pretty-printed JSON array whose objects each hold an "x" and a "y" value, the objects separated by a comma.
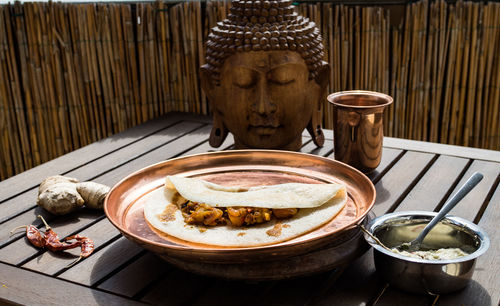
[{"x": 461, "y": 193}]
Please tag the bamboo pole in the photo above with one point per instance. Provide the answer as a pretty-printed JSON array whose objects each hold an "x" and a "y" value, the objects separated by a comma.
[
  {"x": 48, "y": 95},
  {"x": 492, "y": 34},
  {"x": 74, "y": 60},
  {"x": 429, "y": 62},
  {"x": 396, "y": 59},
  {"x": 124, "y": 96},
  {"x": 339, "y": 54},
  {"x": 35, "y": 127},
  {"x": 462, "y": 47},
  {"x": 411, "y": 113},
  {"x": 17, "y": 135},
  {"x": 453, "y": 29},
  {"x": 6, "y": 134},
  {"x": 151, "y": 63},
  {"x": 75, "y": 96},
  {"x": 444, "y": 39},
  {"x": 403, "y": 86},
  {"x": 480, "y": 105},
  {"x": 141, "y": 60},
  {"x": 422, "y": 34},
  {"x": 471, "y": 103},
  {"x": 54, "y": 71},
  {"x": 23, "y": 137},
  {"x": 357, "y": 48},
  {"x": 161, "y": 38},
  {"x": 103, "y": 47}
]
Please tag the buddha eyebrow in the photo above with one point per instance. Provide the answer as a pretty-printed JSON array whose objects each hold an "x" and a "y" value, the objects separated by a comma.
[
  {"x": 283, "y": 64},
  {"x": 249, "y": 69}
]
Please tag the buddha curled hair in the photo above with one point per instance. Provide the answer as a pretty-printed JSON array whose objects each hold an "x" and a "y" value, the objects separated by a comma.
[{"x": 257, "y": 25}]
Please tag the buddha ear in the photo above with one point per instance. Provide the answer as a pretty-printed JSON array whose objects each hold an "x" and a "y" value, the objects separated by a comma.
[
  {"x": 323, "y": 76},
  {"x": 219, "y": 131},
  {"x": 314, "y": 125},
  {"x": 207, "y": 83}
]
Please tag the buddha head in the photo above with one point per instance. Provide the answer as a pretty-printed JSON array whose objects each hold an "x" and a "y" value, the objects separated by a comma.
[{"x": 264, "y": 76}]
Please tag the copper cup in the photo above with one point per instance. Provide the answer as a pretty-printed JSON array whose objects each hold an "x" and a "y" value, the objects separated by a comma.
[{"x": 358, "y": 127}]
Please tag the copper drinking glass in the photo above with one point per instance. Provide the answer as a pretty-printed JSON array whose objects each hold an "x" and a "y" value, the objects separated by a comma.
[{"x": 358, "y": 127}]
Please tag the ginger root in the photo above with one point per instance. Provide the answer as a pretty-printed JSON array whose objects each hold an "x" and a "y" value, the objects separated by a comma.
[
  {"x": 58, "y": 195},
  {"x": 93, "y": 194},
  {"x": 61, "y": 195}
]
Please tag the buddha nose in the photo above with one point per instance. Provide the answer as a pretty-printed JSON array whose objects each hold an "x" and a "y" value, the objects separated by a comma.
[{"x": 264, "y": 104}]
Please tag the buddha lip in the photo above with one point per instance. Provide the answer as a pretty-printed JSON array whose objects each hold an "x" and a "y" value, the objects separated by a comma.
[
  {"x": 264, "y": 130},
  {"x": 270, "y": 126}
]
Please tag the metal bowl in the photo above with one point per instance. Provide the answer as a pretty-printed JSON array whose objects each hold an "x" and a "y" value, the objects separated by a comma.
[{"x": 421, "y": 275}]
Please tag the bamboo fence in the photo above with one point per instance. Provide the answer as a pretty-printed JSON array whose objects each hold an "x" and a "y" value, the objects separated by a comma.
[{"x": 71, "y": 74}]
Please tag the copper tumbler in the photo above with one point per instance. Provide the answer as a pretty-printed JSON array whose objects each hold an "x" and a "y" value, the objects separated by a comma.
[{"x": 358, "y": 127}]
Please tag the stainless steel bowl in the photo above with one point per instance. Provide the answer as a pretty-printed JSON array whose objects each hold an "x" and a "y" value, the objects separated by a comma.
[{"x": 421, "y": 275}]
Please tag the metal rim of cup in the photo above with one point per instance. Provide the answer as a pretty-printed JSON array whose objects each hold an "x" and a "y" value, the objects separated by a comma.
[{"x": 332, "y": 98}]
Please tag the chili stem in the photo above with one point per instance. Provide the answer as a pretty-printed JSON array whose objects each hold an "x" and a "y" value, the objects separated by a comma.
[
  {"x": 16, "y": 228},
  {"x": 44, "y": 222},
  {"x": 74, "y": 262}
]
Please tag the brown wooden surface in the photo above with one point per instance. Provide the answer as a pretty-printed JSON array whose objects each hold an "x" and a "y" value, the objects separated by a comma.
[{"x": 412, "y": 176}]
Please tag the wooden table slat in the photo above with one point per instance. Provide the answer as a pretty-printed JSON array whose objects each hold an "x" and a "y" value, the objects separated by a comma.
[
  {"x": 398, "y": 179},
  {"x": 138, "y": 275},
  {"x": 471, "y": 205},
  {"x": 295, "y": 291},
  {"x": 28, "y": 288},
  {"x": 435, "y": 185},
  {"x": 392, "y": 296},
  {"x": 389, "y": 157},
  {"x": 31, "y": 178},
  {"x": 358, "y": 285},
  {"x": 177, "y": 288},
  {"x": 205, "y": 147},
  {"x": 311, "y": 148},
  {"x": 234, "y": 292},
  {"x": 442, "y": 149},
  {"x": 162, "y": 153}
]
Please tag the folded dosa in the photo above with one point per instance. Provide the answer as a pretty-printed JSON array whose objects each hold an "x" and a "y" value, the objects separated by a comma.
[{"x": 317, "y": 203}]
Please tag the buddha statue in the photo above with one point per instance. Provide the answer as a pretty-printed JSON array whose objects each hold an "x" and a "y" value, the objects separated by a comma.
[{"x": 264, "y": 76}]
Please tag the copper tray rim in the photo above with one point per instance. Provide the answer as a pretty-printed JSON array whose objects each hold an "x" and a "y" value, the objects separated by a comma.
[{"x": 218, "y": 249}]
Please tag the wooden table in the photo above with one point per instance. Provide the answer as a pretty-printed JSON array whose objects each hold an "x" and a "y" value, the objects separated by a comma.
[{"x": 412, "y": 176}]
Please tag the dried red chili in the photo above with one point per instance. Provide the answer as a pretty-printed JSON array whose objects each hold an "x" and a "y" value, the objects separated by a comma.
[
  {"x": 33, "y": 234},
  {"x": 50, "y": 240},
  {"x": 87, "y": 247}
]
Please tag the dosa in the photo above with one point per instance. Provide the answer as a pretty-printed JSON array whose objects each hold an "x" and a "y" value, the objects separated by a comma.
[{"x": 167, "y": 210}]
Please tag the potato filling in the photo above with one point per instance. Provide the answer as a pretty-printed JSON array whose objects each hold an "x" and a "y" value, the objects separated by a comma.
[{"x": 203, "y": 214}]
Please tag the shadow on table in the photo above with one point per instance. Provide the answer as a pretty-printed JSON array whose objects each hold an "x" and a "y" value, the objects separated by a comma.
[
  {"x": 158, "y": 282},
  {"x": 382, "y": 193},
  {"x": 473, "y": 294}
]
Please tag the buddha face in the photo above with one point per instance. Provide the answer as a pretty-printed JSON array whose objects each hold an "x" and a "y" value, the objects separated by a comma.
[{"x": 265, "y": 98}]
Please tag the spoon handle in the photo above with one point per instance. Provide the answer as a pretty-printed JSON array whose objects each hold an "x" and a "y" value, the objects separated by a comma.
[{"x": 461, "y": 193}]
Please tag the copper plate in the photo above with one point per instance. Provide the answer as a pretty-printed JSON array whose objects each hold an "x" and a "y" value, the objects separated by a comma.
[{"x": 124, "y": 203}]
